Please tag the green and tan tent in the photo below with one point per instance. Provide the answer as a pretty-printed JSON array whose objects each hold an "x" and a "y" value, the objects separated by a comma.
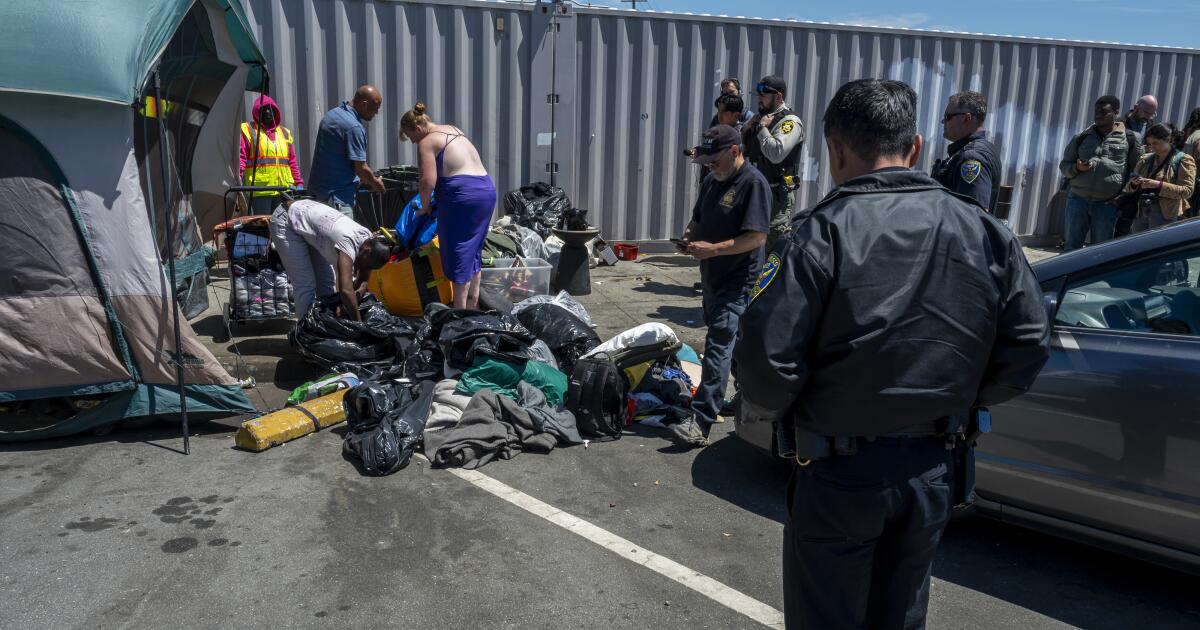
[{"x": 117, "y": 129}]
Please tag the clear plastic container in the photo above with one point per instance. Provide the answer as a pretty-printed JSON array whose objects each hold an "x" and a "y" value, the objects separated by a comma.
[{"x": 518, "y": 278}]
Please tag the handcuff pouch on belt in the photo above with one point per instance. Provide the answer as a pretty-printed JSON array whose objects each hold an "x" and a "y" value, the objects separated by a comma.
[{"x": 961, "y": 434}]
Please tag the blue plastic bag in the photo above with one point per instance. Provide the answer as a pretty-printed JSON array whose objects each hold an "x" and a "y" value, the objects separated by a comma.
[{"x": 413, "y": 231}]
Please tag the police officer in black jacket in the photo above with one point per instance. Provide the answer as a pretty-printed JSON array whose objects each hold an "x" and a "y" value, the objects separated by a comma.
[
  {"x": 891, "y": 311},
  {"x": 973, "y": 165}
]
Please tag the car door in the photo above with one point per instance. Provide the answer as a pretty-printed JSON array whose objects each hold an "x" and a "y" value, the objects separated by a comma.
[{"x": 1109, "y": 434}]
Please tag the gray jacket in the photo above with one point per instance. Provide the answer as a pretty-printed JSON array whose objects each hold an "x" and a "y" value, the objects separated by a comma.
[{"x": 1114, "y": 155}]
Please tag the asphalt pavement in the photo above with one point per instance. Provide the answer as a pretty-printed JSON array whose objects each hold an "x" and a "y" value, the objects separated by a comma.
[{"x": 121, "y": 530}]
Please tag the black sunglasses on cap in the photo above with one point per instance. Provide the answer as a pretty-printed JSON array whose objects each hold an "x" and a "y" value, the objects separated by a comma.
[{"x": 763, "y": 88}]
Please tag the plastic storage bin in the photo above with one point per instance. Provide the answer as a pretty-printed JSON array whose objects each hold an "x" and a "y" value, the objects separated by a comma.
[{"x": 518, "y": 278}]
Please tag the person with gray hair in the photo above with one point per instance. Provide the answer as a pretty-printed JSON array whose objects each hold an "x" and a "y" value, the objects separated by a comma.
[
  {"x": 973, "y": 165},
  {"x": 1142, "y": 115},
  {"x": 881, "y": 324}
]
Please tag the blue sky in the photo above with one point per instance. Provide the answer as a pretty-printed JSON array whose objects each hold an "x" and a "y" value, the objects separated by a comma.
[{"x": 1155, "y": 22}]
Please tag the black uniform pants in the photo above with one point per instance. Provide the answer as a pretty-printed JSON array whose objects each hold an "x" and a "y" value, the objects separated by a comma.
[{"x": 861, "y": 535}]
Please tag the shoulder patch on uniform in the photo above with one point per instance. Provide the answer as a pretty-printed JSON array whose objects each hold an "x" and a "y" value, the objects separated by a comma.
[
  {"x": 787, "y": 126},
  {"x": 970, "y": 170},
  {"x": 770, "y": 268}
]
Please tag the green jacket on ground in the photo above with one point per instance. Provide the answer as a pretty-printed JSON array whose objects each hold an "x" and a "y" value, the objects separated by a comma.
[{"x": 1114, "y": 155}]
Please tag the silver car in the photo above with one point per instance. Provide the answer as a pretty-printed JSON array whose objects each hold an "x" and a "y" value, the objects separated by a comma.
[{"x": 1105, "y": 447}]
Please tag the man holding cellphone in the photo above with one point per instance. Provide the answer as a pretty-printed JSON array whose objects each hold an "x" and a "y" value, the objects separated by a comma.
[{"x": 729, "y": 225}]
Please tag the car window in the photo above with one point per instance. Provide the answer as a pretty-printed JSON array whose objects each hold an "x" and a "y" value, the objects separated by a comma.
[{"x": 1158, "y": 294}]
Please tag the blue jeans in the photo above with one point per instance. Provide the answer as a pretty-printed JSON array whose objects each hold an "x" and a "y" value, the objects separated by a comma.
[
  {"x": 1084, "y": 217},
  {"x": 721, "y": 314}
]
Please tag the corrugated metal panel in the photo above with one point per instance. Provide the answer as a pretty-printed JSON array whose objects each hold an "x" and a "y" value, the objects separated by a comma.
[
  {"x": 453, "y": 58},
  {"x": 648, "y": 83},
  {"x": 645, "y": 83}
]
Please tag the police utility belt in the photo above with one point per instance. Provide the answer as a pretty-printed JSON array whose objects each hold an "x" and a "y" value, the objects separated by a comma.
[{"x": 958, "y": 432}]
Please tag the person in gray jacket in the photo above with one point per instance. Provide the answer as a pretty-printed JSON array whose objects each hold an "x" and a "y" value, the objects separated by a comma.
[{"x": 1097, "y": 162}]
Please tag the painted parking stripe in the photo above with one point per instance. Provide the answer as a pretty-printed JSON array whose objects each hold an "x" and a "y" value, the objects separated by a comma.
[{"x": 714, "y": 590}]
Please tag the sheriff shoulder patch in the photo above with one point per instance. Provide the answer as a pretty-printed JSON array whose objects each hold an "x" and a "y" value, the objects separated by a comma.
[
  {"x": 970, "y": 170},
  {"x": 770, "y": 268},
  {"x": 727, "y": 200},
  {"x": 787, "y": 126}
]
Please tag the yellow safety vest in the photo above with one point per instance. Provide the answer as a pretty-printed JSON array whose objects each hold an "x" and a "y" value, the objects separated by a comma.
[{"x": 269, "y": 166}]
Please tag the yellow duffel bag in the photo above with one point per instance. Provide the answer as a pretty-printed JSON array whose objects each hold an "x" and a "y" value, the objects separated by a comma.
[{"x": 406, "y": 287}]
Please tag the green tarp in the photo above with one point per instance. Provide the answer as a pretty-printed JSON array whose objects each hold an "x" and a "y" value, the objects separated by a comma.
[
  {"x": 100, "y": 49},
  {"x": 203, "y": 401}
]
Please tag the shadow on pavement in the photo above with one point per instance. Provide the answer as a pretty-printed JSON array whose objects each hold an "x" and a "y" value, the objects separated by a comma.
[
  {"x": 133, "y": 431},
  {"x": 669, "y": 260},
  {"x": 213, "y": 327},
  {"x": 686, "y": 316},
  {"x": 1067, "y": 581},
  {"x": 732, "y": 470},
  {"x": 659, "y": 288}
]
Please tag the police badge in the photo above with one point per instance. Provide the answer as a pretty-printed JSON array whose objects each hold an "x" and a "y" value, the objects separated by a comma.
[
  {"x": 970, "y": 170},
  {"x": 727, "y": 200},
  {"x": 770, "y": 268}
]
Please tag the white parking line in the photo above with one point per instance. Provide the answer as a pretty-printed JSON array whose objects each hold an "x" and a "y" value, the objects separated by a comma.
[{"x": 694, "y": 580}]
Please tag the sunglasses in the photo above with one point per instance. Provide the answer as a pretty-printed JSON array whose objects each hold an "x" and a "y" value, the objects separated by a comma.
[
  {"x": 763, "y": 88},
  {"x": 947, "y": 117}
]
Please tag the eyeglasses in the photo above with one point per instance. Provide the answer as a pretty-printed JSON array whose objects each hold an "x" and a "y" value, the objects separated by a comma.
[
  {"x": 763, "y": 88},
  {"x": 947, "y": 117}
]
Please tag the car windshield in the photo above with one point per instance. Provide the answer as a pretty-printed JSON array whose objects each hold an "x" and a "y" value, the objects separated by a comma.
[{"x": 1155, "y": 295}]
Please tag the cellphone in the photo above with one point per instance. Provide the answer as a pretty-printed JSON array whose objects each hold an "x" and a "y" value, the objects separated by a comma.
[{"x": 680, "y": 242}]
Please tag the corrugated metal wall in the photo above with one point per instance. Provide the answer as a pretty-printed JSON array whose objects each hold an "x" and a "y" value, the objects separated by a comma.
[
  {"x": 645, "y": 82},
  {"x": 453, "y": 58}
]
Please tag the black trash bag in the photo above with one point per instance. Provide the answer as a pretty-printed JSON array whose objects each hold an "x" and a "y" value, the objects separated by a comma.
[
  {"x": 463, "y": 334},
  {"x": 537, "y": 206},
  {"x": 568, "y": 337},
  {"x": 490, "y": 300},
  {"x": 386, "y": 422},
  {"x": 339, "y": 344},
  {"x": 367, "y": 403},
  {"x": 575, "y": 219}
]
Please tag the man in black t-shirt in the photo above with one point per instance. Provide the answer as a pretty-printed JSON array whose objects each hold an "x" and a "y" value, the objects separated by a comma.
[{"x": 726, "y": 234}]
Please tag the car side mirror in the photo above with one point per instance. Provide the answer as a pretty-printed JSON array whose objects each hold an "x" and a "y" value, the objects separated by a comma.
[{"x": 1050, "y": 303}]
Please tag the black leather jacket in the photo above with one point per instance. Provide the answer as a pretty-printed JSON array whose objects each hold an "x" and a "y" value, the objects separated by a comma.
[{"x": 892, "y": 303}]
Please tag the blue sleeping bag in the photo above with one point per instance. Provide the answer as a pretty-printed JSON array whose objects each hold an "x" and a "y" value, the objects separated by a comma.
[{"x": 413, "y": 231}]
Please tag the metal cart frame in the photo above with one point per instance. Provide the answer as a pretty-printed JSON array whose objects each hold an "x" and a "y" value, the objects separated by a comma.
[{"x": 229, "y": 232}]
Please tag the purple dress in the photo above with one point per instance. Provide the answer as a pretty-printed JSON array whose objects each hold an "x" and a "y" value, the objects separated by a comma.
[{"x": 464, "y": 211}]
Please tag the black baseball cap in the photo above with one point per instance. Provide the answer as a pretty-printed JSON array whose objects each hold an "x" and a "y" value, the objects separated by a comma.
[
  {"x": 770, "y": 84},
  {"x": 715, "y": 140}
]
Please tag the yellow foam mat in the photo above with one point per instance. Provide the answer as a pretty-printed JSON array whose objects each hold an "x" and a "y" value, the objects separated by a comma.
[{"x": 288, "y": 424}]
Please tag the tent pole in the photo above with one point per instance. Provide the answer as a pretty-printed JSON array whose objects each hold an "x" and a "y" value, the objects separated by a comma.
[
  {"x": 162, "y": 154},
  {"x": 257, "y": 135}
]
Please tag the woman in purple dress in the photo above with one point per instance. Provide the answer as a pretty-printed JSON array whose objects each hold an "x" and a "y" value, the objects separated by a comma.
[{"x": 466, "y": 198}]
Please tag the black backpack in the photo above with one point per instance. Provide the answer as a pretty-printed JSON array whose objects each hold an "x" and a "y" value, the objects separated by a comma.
[{"x": 596, "y": 395}]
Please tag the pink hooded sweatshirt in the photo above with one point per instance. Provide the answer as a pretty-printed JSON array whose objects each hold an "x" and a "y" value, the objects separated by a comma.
[{"x": 259, "y": 103}]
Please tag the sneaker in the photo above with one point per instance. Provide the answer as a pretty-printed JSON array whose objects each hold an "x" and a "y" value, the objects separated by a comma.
[
  {"x": 728, "y": 408},
  {"x": 689, "y": 432}
]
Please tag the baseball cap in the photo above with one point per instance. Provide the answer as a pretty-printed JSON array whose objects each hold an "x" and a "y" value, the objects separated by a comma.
[
  {"x": 715, "y": 140},
  {"x": 771, "y": 83}
]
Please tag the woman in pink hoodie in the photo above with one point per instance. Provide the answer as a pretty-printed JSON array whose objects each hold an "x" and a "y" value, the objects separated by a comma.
[{"x": 268, "y": 157}]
